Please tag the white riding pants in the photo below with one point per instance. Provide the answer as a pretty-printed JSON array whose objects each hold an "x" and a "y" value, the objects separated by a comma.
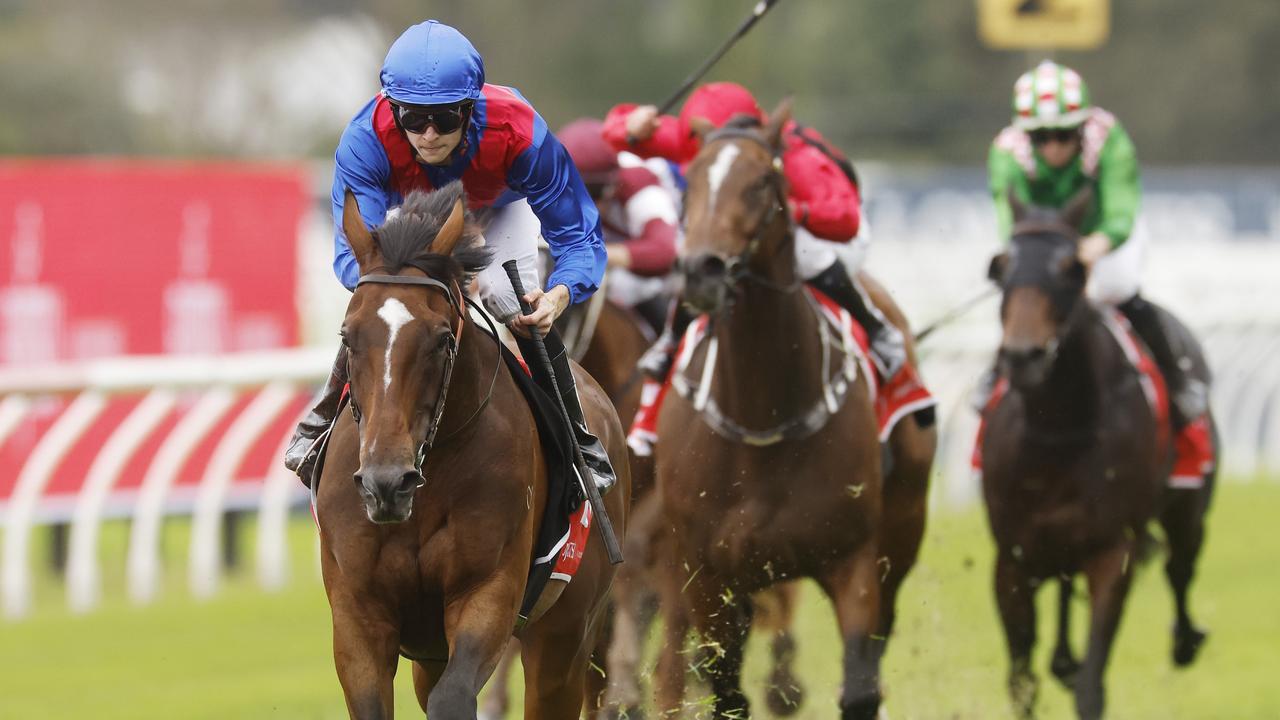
[
  {"x": 513, "y": 233},
  {"x": 1117, "y": 276}
]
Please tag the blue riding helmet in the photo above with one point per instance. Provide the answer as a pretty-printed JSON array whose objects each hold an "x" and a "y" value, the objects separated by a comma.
[{"x": 432, "y": 64}]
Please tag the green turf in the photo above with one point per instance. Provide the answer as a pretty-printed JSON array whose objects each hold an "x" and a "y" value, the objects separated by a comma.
[{"x": 248, "y": 654}]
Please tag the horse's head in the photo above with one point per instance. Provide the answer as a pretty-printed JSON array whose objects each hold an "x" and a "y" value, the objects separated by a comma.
[
  {"x": 1043, "y": 284},
  {"x": 401, "y": 334},
  {"x": 735, "y": 208}
]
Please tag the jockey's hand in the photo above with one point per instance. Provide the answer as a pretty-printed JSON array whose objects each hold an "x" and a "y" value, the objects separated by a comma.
[
  {"x": 619, "y": 256},
  {"x": 547, "y": 306},
  {"x": 1092, "y": 248},
  {"x": 642, "y": 122}
]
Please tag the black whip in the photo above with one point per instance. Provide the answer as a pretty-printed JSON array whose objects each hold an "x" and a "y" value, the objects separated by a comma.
[{"x": 585, "y": 476}]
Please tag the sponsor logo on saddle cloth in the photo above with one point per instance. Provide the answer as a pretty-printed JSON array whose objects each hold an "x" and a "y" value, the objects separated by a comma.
[
  {"x": 1193, "y": 447},
  {"x": 905, "y": 395}
]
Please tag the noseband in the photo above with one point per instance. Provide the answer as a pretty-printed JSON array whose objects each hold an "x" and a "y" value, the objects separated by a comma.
[
  {"x": 738, "y": 267},
  {"x": 451, "y": 354}
]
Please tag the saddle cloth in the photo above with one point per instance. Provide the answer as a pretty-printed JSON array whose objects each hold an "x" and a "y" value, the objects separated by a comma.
[
  {"x": 903, "y": 395},
  {"x": 1193, "y": 446}
]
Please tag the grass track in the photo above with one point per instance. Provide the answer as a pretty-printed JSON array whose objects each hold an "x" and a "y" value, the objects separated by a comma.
[{"x": 247, "y": 654}]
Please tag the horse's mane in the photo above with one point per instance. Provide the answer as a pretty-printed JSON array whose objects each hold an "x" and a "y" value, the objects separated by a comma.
[{"x": 406, "y": 239}]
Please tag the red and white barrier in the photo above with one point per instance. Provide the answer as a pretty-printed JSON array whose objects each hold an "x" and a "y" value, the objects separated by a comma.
[{"x": 143, "y": 438}]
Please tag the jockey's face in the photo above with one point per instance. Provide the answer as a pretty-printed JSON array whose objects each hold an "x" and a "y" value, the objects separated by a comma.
[
  {"x": 434, "y": 148},
  {"x": 1057, "y": 147}
]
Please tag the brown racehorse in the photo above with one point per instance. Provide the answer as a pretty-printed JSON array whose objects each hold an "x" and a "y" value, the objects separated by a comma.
[
  {"x": 428, "y": 558},
  {"x": 1075, "y": 461},
  {"x": 746, "y": 515}
]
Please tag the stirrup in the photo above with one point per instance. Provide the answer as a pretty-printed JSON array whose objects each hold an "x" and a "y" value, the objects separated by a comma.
[
  {"x": 598, "y": 463},
  {"x": 888, "y": 352}
]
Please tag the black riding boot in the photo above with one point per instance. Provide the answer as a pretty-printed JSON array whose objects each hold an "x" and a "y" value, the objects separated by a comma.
[
  {"x": 301, "y": 454},
  {"x": 592, "y": 449},
  {"x": 888, "y": 347},
  {"x": 1188, "y": 394},
  {"x": 656, "y": 361}
]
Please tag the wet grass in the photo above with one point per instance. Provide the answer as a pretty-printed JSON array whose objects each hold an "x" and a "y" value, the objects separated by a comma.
[{"x": 249, "y": 654}]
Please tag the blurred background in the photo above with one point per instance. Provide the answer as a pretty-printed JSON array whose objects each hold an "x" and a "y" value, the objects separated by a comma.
[{"x": 166, "y": 306}]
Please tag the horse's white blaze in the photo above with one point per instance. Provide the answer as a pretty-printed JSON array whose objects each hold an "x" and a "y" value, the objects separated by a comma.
[
  {"x": 395, "y": 315},
  {"x": 720, "y": 169}
]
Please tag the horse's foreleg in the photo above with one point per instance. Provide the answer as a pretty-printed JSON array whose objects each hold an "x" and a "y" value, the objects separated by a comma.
[
  {"x": 1015, "y": 597},
  {"x": 669, "y": 679},
  {"x": 775, "y": 612},
  {"x": 477, "y": 626},
  {"x": 365, "y": 653},
  {"x": 1064, "y": 665},
  {"x": 854, "y": 588},
  {"x": 425, "y": 677},
  {"x": 906, "y": 507},
  {"x": 721, "y": 619},
  {"x": 627, "y": 637},
  {"x": 497, "y": 701},
  {"x": 1109, "y": 573},
  {"x": 1183, "y": 523}
]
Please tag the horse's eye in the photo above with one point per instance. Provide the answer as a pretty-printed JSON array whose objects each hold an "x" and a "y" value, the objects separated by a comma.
[{"x": 346, "y": 342}]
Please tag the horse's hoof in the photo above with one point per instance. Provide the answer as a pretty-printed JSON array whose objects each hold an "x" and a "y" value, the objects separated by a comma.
[
  {"x": 1065, "y": 668},
  {"x": 1186, "y": 644},
  {"x": 863, "y": 709},
  {"x": 784, "y": 696}
]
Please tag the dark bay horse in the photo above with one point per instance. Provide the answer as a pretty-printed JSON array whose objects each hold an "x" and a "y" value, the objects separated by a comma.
[
  {"x": 428, "y": 557},
  {"x": 1075, "y": 461},
  {"x": 746, "y": 515}
]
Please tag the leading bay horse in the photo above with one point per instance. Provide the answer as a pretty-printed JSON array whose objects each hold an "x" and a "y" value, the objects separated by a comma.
[
  {"x": 428, "y": 557},
  {"x": 751, "y": 512},
  {"x": 1076, "y": 459}
]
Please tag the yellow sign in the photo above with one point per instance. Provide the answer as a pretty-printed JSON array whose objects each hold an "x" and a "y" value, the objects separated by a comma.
[{"x": 1044, "y": 24}]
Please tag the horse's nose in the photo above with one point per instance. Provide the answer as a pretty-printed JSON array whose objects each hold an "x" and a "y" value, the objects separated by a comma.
[
  {"x": 705, "y": 266},
  {"x": 387, "y": 489},
  {"x": 1023, "y": 356},
  {"x": 705, "y": 286}
]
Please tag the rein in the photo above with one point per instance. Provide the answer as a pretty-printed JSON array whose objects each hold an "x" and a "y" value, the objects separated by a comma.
[{"x": 451, "y": 354}]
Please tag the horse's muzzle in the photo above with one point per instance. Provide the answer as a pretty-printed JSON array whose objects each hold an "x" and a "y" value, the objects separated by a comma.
[
  {"x": 387, "y": 491},
  {"x": 1028, "y": 366},
  {"x": 707, "y": 280}
]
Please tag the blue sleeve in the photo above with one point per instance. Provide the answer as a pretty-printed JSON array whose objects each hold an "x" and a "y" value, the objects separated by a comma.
[
  {"x": 545, "y": 175},
  {"x": 361, "y": 166}
]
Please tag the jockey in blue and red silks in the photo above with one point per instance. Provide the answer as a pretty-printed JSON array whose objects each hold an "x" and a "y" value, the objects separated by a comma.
[{"x": 437, "y": 121}]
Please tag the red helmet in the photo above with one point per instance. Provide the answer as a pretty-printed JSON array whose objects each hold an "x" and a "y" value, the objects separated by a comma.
[
  {"x": 583, "y": 138},
  {"x": 717, "y": 102}
]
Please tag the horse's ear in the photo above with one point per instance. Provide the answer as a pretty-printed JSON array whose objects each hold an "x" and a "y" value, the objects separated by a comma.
[
  {"x": 358, "y": 236},
  {"x": 778, "y": 119},
  {"x": 1019, "y": 208},
  {"x": 996, "y": 270},
  {"x": 451, "y": 231},
  {"x": 1077, "y": 208}
]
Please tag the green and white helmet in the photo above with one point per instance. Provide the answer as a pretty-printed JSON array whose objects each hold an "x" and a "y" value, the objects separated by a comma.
[{"x": 1050, "y": 96}]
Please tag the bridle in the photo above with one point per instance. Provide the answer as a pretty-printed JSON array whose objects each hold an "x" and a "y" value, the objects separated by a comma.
[
  {"x": 1078, "y": 302},
  {"x": 738, "y": 267},
  {"x": 451, "y": 355}
]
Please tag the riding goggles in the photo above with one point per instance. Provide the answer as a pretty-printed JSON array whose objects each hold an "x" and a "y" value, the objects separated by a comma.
[
  {"x": 444, "y": 118},
  {"x": 1060, "y": 135}
]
